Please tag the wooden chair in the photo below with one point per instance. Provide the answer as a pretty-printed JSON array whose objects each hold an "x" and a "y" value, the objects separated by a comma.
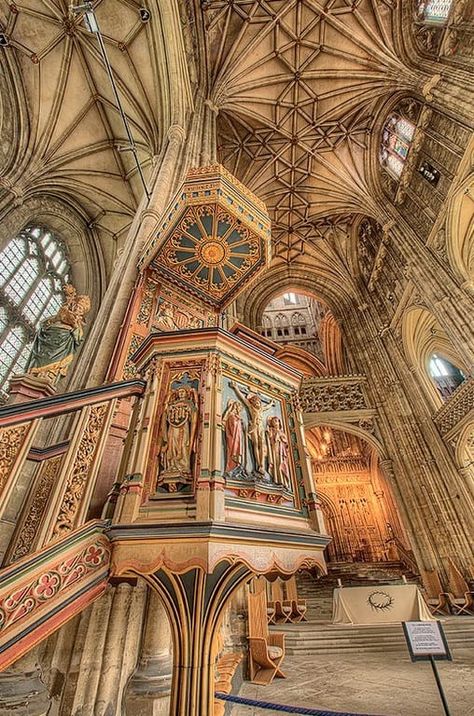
[
  {"x": 460, "y": 598},
  {"x": 260, "y": 584},
  {"x": 283, "y": 607},
  {"x": 298, "y": 606},
  {"x": 266, "y": 649},
  {"x": 437, "y": 599}
]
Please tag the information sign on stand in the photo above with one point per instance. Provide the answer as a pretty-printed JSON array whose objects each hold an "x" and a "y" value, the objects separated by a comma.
[{"x": 427, "y": 642}]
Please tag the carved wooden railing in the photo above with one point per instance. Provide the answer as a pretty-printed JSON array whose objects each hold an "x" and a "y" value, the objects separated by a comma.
[
  {"x": 68, "y": 402},
  {"x": 44, "y": 590},
  {"x": 457, "y": 411},
  {"x": 63, "y": 485}
]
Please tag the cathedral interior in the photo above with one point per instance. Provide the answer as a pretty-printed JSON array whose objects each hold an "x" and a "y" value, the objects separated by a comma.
[{"x": 236, "y": 352}]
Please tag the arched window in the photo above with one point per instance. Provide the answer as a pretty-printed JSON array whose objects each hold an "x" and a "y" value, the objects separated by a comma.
[
  {"x": 290, "y": 298},
  {"x": 397, "y": 136},
  {"x": 33, "y": 271},
  {"x": 434, "y": 11},
  {"x": 445, "y": 375}
]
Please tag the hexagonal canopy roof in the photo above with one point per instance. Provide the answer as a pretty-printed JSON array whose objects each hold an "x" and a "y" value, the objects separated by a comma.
[{"x": 214, "y": 239}]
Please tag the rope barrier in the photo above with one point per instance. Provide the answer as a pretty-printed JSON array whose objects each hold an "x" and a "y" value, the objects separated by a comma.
[{"x": 281, "y": 707}]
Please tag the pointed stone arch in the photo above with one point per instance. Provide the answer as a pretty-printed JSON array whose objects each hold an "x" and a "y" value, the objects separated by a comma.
[{"x": 422, "y": 336}]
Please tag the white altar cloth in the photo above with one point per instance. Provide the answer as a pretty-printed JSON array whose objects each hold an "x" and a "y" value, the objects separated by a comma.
[{"x": 381, "y": 604}]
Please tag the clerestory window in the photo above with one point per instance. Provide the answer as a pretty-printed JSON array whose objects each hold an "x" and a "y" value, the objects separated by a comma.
[
  {"x": 434, "y": 11},
  {"x": 397, "y": 136},
  {"x": 33, "y": 271}
]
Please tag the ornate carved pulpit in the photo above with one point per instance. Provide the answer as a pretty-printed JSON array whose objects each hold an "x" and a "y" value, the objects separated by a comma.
[{"x": 218, "y": 485}]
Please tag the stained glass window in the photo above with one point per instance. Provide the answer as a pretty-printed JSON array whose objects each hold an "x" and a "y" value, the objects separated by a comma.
[
  {"x": 434, "y": 11},
  {"x": 33, "y": 271},
  {"x": 396, "y": 139},
  {"x": 447, "y": 377}
]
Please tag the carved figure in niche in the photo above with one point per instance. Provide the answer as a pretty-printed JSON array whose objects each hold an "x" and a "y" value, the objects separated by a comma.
[
  {"x": 59, "y": 337},
  {"x": 178, "y": 434},
  {"x": 165, "y": 317},
  {"x": 171, "y": 318},
  {"x": 278, "y": 452},
  {"x": 256, "y": 410},
  {"x": 234, "y": 436}
]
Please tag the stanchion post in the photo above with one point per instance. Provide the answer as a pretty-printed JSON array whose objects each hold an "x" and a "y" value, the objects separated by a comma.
[{"x": 439, "y": 685}]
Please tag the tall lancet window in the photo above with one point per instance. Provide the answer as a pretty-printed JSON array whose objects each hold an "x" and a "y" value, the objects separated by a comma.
[
  {"x": 33, "y": 271},
  {"x": 434, "y": 11},
  {"x": 397, "y": 136}
]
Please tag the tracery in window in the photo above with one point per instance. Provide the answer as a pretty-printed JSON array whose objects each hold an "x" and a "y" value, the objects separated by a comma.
[
  {"x": 397, "y": 136},
  {"x": 434, "y": 11},
  {"x": 33, "y": 271},
  {"x": 446, "y": 376}
]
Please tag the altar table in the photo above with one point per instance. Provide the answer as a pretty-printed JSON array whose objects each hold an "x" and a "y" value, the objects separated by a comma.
[{"x": 381, "y": 604}]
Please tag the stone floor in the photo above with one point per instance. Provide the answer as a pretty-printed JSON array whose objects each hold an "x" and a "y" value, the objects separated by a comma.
[{"x": 386, "y": 684}]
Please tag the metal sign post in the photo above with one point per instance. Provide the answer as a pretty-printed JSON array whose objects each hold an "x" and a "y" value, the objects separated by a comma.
[{"x": 427, "y": 642}]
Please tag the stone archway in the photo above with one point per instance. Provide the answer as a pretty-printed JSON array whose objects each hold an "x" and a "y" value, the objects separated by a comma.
[{"x": 360, "y": 510}]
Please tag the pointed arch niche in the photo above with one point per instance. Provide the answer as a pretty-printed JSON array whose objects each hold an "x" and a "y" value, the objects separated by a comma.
[
  {"x": 432, "y": 356},
  {"x": 306, "y": 331},
  {"x": 357, "y": 502}
]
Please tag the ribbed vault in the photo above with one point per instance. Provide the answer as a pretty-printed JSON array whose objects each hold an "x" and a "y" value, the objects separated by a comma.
[
  {"x": 297, "y": 85},
  {"x": 73, "y": 143}
]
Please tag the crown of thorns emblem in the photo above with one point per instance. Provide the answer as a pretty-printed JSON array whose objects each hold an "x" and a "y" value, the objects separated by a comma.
[{"x": 380, "y": 601}]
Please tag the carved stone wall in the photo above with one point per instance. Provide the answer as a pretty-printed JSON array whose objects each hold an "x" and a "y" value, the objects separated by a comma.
[
  {"x": 457, "y": 410},
  {"x": 333, "y": 395}
]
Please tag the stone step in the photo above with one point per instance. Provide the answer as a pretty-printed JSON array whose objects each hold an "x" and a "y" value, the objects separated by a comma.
[{"x": 317, "y": 638}]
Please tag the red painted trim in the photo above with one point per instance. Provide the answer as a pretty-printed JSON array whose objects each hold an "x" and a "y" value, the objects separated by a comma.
[
  {"x": 67, "y": 403},
  {"x": 23, "y": 645},
  {"x": 40, "y": 454}
]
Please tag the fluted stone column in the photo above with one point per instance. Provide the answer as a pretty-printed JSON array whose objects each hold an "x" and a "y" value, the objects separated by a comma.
[
  {"x": 93, "y": 363},
  {"x": 91, "y": 660},
  {"x": 150, "y": 686},
  {"x": 112, "y": 658},
  {"x": 437, "y": 507},
  {"x": 23, "y": 691}
]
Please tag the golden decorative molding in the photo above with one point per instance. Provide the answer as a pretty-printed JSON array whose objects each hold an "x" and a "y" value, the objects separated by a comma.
[
  {"x": 11, "y": 442},
  {"x": 48, "y": 473},
  {"x": 76, "y": 483}
]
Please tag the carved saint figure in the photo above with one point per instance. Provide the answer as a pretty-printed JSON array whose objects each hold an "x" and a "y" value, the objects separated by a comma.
[
  {"x": 165, "y": 318},
  {"x": 171, "y": 318},
  {"x": 256, "y": 410},
  {"x": 278, "y": 452},
  {"x": 178, "y": 432},
  {"x": 233, "y": 435},
  {"x": 59, "y": 337}
]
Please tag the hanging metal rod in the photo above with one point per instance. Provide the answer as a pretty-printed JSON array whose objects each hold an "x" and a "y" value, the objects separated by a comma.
[{"x": 93, "y": 26}]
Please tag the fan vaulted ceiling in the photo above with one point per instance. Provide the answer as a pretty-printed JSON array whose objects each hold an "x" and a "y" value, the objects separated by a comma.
[
  {"x": 73, "y": 137},
  {"x": 296, "y": 83}
]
